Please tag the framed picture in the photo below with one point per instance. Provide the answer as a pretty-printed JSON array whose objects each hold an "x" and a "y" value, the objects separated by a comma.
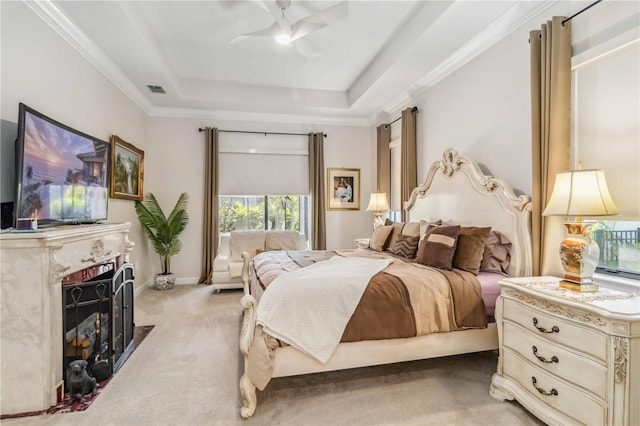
[
  {"x": 343, "y": 189},
  {"x": 127, "y": 170}
]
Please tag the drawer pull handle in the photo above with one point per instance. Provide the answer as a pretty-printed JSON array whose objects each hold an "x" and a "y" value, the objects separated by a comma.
[
  {"x": 542, "y": 391},
  {"x": 543, "y": 359},
  {"x": 554, "y": 329}
]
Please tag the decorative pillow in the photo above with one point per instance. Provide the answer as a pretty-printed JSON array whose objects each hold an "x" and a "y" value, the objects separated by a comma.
[
  {"x": 405, "y": 246},
  {"x": 438, "y": 246},
  {"x": 258, "y": 251},
  {"x": 424, "y": 225},
  {"x": 411, "y": 228},
  {"x": 497, "y": 253},
  {"x": 470, "y": 248},
  {"x": 379, "y": 237},
  {"x": 395, "y": 232}
]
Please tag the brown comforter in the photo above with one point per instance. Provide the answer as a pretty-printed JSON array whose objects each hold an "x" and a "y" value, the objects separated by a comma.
[{"x": 405, "y": 300}]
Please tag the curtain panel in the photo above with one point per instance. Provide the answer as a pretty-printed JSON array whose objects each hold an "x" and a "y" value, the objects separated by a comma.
[
  {"x": 384, "y": 159},
  {"x": 317, "y": 191},
  {"x": 409, "y": 168},
  {"x": 550, "y": 49},
  {"x": 210, "y": 210}
]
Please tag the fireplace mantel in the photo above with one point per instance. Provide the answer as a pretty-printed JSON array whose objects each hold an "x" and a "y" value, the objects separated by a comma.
[{"x": 32, "y": 266}]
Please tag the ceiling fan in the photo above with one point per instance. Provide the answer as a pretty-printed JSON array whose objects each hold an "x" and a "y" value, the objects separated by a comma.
[{"x": 290, "y": 34}]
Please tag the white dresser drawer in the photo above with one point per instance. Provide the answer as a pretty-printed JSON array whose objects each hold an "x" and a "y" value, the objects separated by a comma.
[
  {"x": 571, "y": 366},
  {"x": 556, "y": 330},
  {"x": 557, "y": 394}
]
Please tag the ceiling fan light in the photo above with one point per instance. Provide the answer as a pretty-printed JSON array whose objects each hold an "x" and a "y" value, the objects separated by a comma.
[{"x": 283, "y": 39}]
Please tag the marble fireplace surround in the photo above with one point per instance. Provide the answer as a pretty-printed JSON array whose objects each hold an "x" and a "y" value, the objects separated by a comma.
[{"x": 32, "y": 266}]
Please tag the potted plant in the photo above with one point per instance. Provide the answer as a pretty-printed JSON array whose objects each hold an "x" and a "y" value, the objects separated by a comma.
[{"x": 163, "y": 231}]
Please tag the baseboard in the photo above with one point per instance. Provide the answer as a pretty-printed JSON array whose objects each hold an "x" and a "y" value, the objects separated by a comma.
[{"x": 179, "y": 281}]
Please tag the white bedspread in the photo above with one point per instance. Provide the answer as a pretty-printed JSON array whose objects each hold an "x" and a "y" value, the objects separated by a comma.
[{"x": 310, "y": 308}]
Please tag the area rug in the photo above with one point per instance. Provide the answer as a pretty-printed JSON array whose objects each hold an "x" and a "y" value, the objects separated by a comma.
[{"x": 139, "y": 334}]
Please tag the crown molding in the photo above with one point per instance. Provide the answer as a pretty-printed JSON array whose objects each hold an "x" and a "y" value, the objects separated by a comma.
[
  {"x": 49, "y": 12},
  {"x": 508, "y": 22},
  {"x": 329, "y": 120}
]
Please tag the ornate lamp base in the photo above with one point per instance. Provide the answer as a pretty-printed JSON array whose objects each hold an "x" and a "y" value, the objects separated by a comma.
[
  {"x": 579, "y": 254},
  {"x": 377, "y": 221}
]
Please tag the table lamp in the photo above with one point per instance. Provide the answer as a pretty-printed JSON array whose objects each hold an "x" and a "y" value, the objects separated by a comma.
[
  {"x": 378, "y": 202},
  {"x": 580, "y": 193}
]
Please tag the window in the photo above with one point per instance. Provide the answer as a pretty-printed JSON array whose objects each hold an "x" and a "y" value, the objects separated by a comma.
[
  {"x": 606, "y": 130},
  {"x": 251, "y": 164},
  {"x": 619, "y": 247},
  {"x": 268, "y": 212}
]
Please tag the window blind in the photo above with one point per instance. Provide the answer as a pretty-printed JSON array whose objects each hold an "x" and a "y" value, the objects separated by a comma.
[
  {"x": 254, "y": 164},
  {"x": 607, "y": 120}
]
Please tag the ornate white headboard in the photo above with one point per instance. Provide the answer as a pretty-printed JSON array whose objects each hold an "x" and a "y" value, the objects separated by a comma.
[{"x": 456, "y": 190}]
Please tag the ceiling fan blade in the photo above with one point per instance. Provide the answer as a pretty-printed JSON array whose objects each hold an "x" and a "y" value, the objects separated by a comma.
[
  {"x": 329, "y": 15},
  {"x": 307, "y": 49},
  {"x": 302, "y": 28},
  {"x": 270, "y": 31},
  {"x": 319, "y": 20}
]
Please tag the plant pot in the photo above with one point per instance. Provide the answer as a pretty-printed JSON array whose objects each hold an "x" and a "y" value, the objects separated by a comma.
[{"x": 164, "y": 282}]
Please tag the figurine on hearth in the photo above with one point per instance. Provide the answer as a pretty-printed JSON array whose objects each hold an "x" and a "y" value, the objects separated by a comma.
[{"x": 79, "y": 382}]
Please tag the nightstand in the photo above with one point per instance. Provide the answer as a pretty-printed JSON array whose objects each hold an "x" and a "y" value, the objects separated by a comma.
[
  {"x": 568, "y": 357},
  {"x": 362, "y": 243}
]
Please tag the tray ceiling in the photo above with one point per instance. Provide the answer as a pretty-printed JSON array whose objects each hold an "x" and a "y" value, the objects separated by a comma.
[{"x": 372, "y": 62}]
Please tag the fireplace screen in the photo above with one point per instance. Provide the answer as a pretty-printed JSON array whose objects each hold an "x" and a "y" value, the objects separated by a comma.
[{"x": 98, "y": 318}]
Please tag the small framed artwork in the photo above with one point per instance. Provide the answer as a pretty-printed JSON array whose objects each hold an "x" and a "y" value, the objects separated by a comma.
[
  {"x": 127, "y": 170},
  {"x": 343, "y": 189}
]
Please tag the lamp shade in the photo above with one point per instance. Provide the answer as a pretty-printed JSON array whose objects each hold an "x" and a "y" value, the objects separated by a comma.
[
  {"x": 580, "y": 193},
  {"x": 378, "y": 202}
]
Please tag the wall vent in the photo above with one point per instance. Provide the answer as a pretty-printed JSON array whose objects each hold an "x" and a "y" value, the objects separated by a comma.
[{"x": 156, "y": 89}]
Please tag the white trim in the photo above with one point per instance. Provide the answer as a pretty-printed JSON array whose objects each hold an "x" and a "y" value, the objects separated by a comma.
[
  {"x": 606, "y": 48},
  {"x": 508, "y": 22},
  {"x": 617, "y": 283},
  {"x": 330, "y": 120},
  {"x": 60, "y": 23}
]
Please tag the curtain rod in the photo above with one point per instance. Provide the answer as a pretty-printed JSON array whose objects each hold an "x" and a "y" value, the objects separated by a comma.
[
  {"x": 200, "y": 129},
  {"x": 414, "y": 109},
  {"x": 579, "y": 12}
]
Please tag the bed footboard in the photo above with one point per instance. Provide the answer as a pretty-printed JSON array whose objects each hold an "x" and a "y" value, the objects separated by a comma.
[{"x": 247, "y": 388}]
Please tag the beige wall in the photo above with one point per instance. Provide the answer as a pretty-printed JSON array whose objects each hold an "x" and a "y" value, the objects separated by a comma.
[
  {"x": 176, "y": 164},
  {"x": 483, "y": 109},
  {"x": 43, "y": 71}
]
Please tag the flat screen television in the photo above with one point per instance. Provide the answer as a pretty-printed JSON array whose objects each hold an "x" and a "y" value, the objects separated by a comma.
[{"x": 62, "y": 174}]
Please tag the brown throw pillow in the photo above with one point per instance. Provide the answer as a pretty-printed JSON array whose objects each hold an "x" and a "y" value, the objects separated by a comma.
[
  {"x": 497, "y": 253},
  {"x": 425, "y": 224},
  {"x": 470, "y": 248},
  {"x": 379, "y": 237},
  {"x": 438, "y": 246},
  {"x": 395, "y": 232},
  {"x": 405, "y": 246}
]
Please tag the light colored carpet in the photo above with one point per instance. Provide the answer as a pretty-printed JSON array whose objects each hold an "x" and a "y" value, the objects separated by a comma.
[{"x": 186, "y": 372}]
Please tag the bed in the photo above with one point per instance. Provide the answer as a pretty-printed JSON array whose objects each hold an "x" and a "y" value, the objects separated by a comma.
[{"x": 455, "y": 193}]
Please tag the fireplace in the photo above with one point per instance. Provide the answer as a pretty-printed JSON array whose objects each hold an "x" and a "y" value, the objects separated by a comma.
[
  {"x": 32, "y": 268},
  {"x": 97, "y": 318}
]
